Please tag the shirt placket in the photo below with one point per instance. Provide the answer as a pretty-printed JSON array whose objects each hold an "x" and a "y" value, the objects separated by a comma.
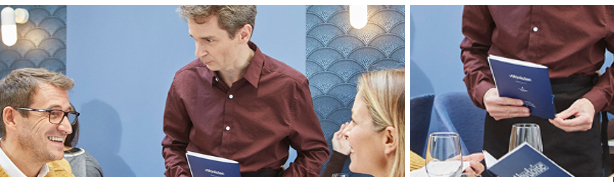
[
  {"x": 228, "y": 121},
  {"x": 534, "y": 32}
]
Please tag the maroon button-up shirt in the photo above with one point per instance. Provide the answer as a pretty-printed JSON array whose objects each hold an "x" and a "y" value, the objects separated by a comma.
[
  {"x": 253, "y": 122},
  {"x": 569, "y": 40}
]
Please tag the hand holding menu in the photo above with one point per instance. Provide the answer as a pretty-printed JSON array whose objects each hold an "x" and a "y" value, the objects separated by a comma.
[
  {"x": 526, "y": 81},
  {"x": 202, "y": 165},
  {"x": 524, "y": 161}
]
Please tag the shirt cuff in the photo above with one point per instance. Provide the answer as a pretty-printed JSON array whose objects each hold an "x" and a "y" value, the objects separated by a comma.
[
  {"x": 597, "y": 99},
  {"x": 479, "y": 91},
  {"x": 335, "y": 164},
  {"x": 339, "y": 156}
]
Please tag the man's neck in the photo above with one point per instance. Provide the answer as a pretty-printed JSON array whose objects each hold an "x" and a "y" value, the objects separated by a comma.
[
  {"x": 24, "y": 163},
  {"x": 237, "y": 71}
]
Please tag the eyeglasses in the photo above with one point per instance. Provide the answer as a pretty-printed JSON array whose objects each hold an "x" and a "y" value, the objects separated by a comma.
[{"x": 56, "y": 116}]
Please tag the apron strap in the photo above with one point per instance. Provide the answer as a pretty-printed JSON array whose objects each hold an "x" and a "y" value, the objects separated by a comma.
[{"x": 607, "y": 167}]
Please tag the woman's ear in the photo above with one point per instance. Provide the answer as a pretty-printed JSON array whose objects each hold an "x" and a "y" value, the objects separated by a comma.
[{"x": 392, "y": 140}]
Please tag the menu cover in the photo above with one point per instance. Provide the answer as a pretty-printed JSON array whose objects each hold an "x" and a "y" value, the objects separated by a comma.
[
  {"x": 202, "y": 165},
  {"x": 524, "y": 161},
  {"x": 526, "y": 81}
]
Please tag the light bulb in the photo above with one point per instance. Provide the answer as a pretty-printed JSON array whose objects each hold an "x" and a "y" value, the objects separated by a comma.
[
  {"x": 9, "y": 28},
  {"x": 9, "y": 34},
  {"x": 358, "y": 16},
  {"x": 9, "y": 17}
]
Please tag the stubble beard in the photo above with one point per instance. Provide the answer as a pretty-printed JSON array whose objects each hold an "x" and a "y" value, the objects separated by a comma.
[{"x": 37, "y": 149}]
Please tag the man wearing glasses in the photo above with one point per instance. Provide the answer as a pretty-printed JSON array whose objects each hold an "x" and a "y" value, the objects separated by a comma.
[
  {"x": 235, "y": 102},
  {"x": 36, "y": 118}
]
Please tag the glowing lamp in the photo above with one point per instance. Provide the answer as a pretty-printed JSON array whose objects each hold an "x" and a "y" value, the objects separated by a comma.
[
  {"x": 9, "y": 17},
  {"x": 358, "y": 16}
]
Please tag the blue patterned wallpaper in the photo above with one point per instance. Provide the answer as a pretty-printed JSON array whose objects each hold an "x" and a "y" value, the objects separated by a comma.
[
  {"x": 337, "y": 54},
  {"x": 41, "y": 42}
]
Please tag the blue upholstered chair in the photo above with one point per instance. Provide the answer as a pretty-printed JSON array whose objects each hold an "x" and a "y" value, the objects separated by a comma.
[
  {"x": 457, "y": 109},
  {"x": 420, "y": 120}
]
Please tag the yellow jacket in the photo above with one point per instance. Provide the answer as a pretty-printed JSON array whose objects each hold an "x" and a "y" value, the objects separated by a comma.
[
  {"x": 59, "y": 168},
  {"x": 415, "y": 161}
]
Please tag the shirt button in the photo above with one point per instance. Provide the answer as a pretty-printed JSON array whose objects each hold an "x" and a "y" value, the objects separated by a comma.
[
  {"x": 230, "y": 96},
  {"x": 227, "y": 128},
  {"x": 535, "y": 29},
  {"x": 216, "y": 79}
]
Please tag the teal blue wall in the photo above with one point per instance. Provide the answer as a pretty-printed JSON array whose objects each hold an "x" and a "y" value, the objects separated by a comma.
[{"x": 41, "y": 41}]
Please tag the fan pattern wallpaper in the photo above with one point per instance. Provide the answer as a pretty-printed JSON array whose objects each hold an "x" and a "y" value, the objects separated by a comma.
[
  {"x": 337, "y": 54},
  {"x": 41, "y": 42}
]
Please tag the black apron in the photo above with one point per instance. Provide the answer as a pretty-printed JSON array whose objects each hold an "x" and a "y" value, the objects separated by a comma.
[{"x": 580, "y": 153}]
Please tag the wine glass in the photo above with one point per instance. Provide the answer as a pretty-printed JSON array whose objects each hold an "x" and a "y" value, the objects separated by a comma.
[
  {"x": 339, "y": 175},
  {"x": 443, "y": 155},
  {"x": 526, "y": 132},
  {"x": 470, "y": 175}
]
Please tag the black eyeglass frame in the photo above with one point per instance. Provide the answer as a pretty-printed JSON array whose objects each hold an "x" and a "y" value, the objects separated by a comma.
[{"x": 66, "y": 113}]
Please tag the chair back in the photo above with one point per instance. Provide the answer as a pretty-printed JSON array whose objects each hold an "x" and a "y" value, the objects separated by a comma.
[
  {"x": 420, "y": 119},
  {"x": 457, "y": 110}
]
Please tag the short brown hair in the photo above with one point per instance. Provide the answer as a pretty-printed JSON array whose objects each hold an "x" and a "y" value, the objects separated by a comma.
[
  {"x": 230, "y": 17},
  {"x": 19, "y": 86}
]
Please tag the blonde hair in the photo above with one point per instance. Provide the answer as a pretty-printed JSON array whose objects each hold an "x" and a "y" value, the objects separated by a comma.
[
  {"x": 230, "y": 17},
  {"x": 384, "y": 94},
  {"x": 19, "y": 86}
]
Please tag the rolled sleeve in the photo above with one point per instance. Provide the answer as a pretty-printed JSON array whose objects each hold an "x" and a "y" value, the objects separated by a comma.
[
  {"x": 602, "y": 94},
  {"x": 477, "y": 27},
  {"x": 177, "y": 128},
  {"x": 307, "y": 137}
]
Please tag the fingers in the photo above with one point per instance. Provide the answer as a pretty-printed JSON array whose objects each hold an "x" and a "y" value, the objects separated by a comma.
[
  {"x": 504, "y": 112},
  {"x": 492, "y": 96},
  {"x": 474, "y": 157},
  {"x": 580, "y": 123},
  {"x": 571, "y": 111},
  {"x": 470, "y": 170},
  {"x": 340, "y": 142},
  {"x": 506, "y": 101},
  {"x": 339, "y": 133},
  {"x": 344, "y": 126},
  {"x": 475, "y": 167},
  {"x": 347, "y": 127},
  {"x": 584, "y": 113},
  {"x": 504, "y": 107},
  {"x": 474, "y": 163}
]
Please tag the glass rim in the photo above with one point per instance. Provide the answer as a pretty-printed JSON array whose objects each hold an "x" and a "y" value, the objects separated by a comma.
[
  {"x": 525, "y": 124},
  {"x": 444, "y": 134}
]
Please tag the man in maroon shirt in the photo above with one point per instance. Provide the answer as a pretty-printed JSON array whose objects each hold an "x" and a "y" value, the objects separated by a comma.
[
  {"x": 237, "y": 103},
  {"x": 569, "y": 40}
]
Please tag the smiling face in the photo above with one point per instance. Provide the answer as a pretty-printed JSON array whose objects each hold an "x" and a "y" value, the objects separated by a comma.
[
  {"x": 36, "y": 135},
  {"x": 213, "y": 45},
  {"x": 367, "y": 145}
]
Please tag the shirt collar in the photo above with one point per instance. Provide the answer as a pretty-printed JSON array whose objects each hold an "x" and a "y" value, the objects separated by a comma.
[
  {"x": 254, "y": 70},
  {"x": 252, "y": 74},
  {"x": 12, "y": 170}
]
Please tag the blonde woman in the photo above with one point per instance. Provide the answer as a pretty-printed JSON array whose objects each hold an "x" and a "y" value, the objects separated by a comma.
[{"x": 375, "y": 136}]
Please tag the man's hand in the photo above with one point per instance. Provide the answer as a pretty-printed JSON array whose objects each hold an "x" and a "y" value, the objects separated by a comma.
[
  {"x": 584, "y": 112},
  {"x": 503, "y": 107}
]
